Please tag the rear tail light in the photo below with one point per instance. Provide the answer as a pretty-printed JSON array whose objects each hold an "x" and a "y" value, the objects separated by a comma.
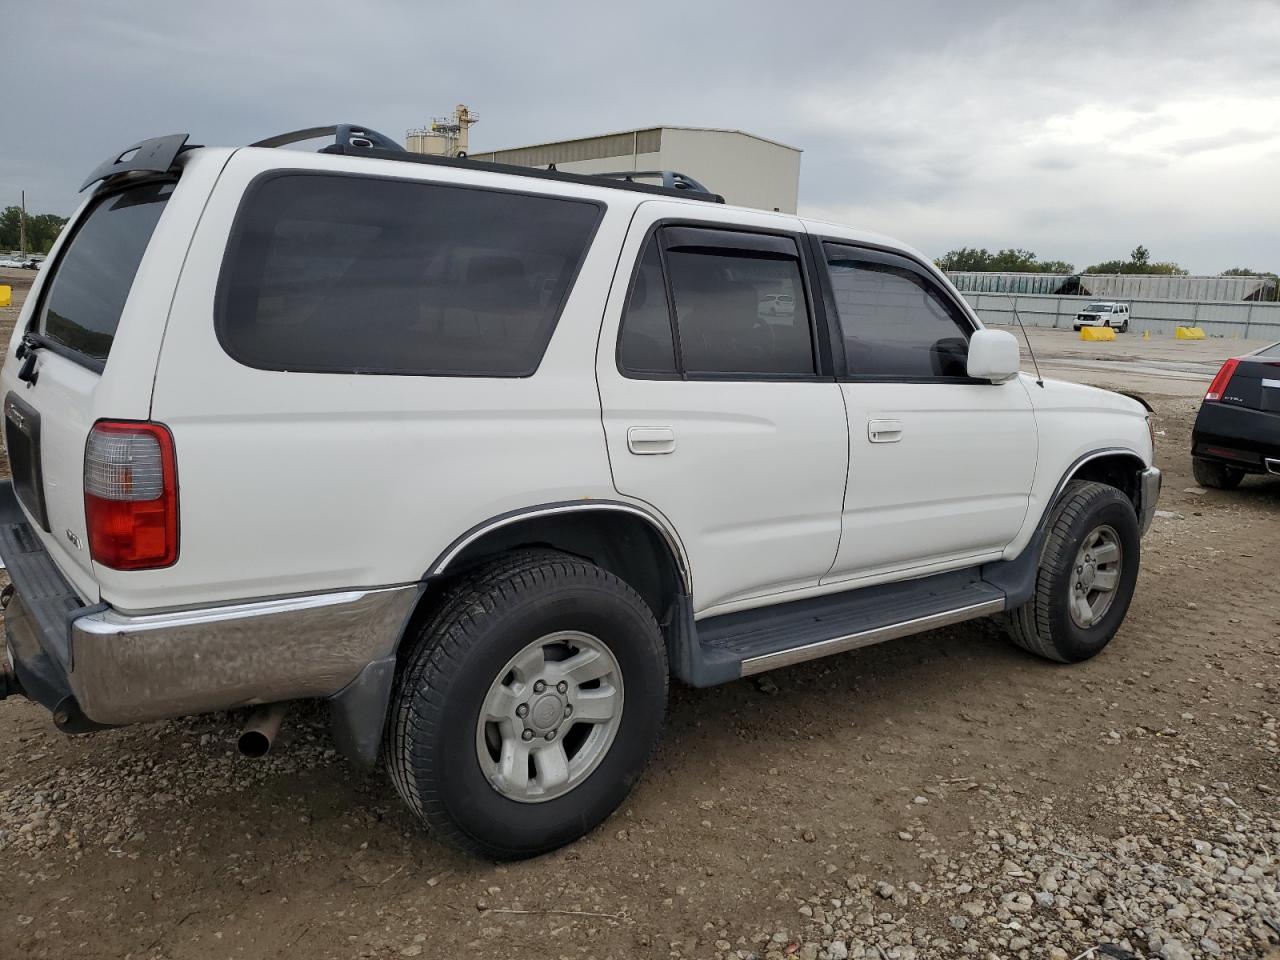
[
  {"x": 1219, "y": 385},
  {"x": 131, "y": 495}
]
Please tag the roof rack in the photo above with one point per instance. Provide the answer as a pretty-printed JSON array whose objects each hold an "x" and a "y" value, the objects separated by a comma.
[
  {"x": 345, "y": 136},
  {"x": 671, "y": 179},
  {"x": 354, "y": 140}
]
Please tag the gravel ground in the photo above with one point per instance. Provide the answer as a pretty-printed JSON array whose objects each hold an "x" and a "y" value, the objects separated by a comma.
[{"x": 936, "y": 797}]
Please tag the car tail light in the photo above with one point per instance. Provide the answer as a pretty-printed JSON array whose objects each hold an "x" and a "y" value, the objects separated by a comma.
[
  {"x": 131, "y": 495},
  {"x": 1219, "y": 385}
]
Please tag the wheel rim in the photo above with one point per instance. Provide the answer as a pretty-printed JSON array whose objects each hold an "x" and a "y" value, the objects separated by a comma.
[
  {"x": 1095, "y": 577},
  {"x": 549, "y": 717}
]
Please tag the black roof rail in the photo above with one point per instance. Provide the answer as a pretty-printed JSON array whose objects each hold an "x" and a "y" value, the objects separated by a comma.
[
  {"x": 346, "y": 137},
  {"x": 671, "y": 179},
  {"x": 353, "y": 140},
  {"x": 146, "y": 156}
]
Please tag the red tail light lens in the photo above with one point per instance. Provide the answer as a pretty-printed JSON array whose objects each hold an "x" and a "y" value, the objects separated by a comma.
[
  {"x": 1219, "y": 385},
  {"x": 131, "y": 495}
]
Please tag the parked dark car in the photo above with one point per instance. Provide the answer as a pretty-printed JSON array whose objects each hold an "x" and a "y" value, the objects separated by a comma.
[{"x": 1238, "y": 428}]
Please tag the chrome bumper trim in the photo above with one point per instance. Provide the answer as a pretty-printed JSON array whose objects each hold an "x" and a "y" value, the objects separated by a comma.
[
  {"x": 127, "y": 669},
  {"x": 1149, "y": 481},
  {"x": 1272, "y": 464}
]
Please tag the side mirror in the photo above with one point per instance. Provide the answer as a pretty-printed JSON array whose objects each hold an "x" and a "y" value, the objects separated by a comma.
[{"x": 993, "y": 355}]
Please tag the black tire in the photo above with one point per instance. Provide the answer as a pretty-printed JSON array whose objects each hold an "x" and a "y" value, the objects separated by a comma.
[
  {"x": 1219, "y": 476},
  {"x": 445, "y": 673},
  {"x": 1044, "y": 626}
]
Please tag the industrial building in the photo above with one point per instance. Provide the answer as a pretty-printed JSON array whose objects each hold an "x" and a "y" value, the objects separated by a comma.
[{"x": 745, "y": 169}]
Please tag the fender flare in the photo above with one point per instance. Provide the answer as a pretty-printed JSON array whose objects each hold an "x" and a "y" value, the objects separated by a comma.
[{"x": 660, "y": 525}]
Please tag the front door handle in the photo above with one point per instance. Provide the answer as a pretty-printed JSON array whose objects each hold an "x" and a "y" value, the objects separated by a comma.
[
  {"x": 884, "y": 431},
  {"x": 646, "y": 441}
]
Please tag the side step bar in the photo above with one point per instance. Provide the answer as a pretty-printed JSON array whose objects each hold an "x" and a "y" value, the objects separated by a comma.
[
  {"x": 866, "y": 638},
  {"x": 741, "y": 644}
]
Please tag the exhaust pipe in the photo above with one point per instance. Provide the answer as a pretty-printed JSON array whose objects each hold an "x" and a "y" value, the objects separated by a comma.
[{"x": 260, "y": 729}]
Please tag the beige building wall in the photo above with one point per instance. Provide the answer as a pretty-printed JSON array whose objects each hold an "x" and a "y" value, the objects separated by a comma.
[{"x": 746, "y": 170}]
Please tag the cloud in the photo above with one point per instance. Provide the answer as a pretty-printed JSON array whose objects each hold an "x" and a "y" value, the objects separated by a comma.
[{"x": 947, "y": 125}]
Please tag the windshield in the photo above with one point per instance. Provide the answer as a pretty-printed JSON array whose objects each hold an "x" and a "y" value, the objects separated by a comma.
[
  {"x": 92, "y": 278},
  {"x": 1099, "y": 308}
]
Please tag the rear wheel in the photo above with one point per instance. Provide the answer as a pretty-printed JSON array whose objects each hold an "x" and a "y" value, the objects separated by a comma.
[
  {"x": 527, "y": 705},
  {"x": 1088, "y": 569},
  {"x": 1211, "y": 473}
]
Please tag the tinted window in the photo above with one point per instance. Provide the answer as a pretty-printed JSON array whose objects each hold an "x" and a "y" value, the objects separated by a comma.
[
  {"x": 894, "y": 322},
  {"x": 732, "y": 316},
  {"x": 347, "y": 274},
  {"x": 94, "y": 274},
  {"x": 645, "y": 344}
]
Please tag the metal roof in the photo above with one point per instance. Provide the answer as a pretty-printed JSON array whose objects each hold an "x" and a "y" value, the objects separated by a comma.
[{"x": 640, "y": 130}]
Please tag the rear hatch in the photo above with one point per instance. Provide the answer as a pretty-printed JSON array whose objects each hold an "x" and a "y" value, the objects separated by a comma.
[
  {"x": 85, "y": 345},
  {"x": 1255, "y": 384}
]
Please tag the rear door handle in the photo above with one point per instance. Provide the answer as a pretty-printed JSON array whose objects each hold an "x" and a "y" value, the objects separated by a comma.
[
  {"x": 646, "y": 441},
  {"x": 884, "y": 431}
]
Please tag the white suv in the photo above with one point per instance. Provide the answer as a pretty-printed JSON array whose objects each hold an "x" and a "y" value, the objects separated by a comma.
[
  {"x": 1104, "y": 313},
  {"x": 483, "y": 455}
]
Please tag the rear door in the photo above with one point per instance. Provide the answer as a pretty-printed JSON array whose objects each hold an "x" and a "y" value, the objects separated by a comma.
[
  {"x": 719, "y": 408},
  {"x": 92, "y": 323}
]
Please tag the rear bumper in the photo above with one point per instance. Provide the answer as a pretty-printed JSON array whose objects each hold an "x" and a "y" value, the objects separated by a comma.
[
  {"x": 94, "y": 666},
  {"x": 1239, "y": 436}
]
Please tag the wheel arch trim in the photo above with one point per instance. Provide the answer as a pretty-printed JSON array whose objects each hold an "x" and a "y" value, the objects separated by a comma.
[
  {"x": 658, "y": 523},
  {"x": 1075, "y": 468}
]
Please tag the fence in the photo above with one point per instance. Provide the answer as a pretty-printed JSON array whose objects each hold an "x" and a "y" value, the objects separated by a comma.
[
  {"x": 1253, "y": 321},
  {"x": 1119, "y": 286}
]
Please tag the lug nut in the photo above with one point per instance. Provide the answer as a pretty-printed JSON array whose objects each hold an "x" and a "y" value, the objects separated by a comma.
[
  {"x": 551, "y": 736},
  {"x": 527, "y": 735},
  {"x": 522, "y": 711},
  {"x": 539, "y": 686},
  {"x": 562, "y": 687},
  {"x": 568, "y": 710}
]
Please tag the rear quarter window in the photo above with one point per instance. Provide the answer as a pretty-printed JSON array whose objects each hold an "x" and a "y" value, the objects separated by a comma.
[
  {"x": 91, "y": 280},
  {"x": 350, "y": 274}
]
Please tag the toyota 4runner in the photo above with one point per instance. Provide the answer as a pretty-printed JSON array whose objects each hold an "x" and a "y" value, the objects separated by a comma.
[{"x": 482, "y": 455}]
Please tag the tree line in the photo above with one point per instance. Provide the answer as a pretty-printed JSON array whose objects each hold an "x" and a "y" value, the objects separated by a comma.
[
  {"x": 42, "y": 230},
  {"x": 1025, "y": 261}
]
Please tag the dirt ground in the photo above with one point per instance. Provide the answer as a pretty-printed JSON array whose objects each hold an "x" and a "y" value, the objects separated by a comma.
[{"x": 905, "y": 800}]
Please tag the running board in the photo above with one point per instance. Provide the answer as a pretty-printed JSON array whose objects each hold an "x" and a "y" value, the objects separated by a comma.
[{"x": 755, "y": 641}]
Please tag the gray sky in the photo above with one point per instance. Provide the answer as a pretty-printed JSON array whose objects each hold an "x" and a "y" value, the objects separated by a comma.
[{"x": 1075, "y": 130}]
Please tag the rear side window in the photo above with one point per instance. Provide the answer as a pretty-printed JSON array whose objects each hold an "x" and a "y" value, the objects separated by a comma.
[
  {"x": 346, "y": 274},
  {"x": 739, "y": 302},
  {"x": 95, "y": 272},
  {"x": 895, "y": 322}
]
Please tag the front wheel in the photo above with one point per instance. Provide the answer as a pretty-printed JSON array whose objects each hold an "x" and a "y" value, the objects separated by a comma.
[
  {"x": 527, "y": 705},
  {"x": 1088, "y": 570}
]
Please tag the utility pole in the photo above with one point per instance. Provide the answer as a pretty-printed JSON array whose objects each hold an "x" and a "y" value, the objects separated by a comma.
[{"x": 22, "y": 227}]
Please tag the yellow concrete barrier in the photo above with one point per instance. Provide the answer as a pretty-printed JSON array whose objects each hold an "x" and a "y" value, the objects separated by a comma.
[
  {"x": 6, "y": 295},
  {"x": 1189, "y": 333},
  {"x": 1097, "y": 333}
]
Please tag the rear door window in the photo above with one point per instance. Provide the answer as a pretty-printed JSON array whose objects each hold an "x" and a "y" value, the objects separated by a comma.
[
  {"x": 92, "y": 278},
  {"x": 347, "y": 274}
]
